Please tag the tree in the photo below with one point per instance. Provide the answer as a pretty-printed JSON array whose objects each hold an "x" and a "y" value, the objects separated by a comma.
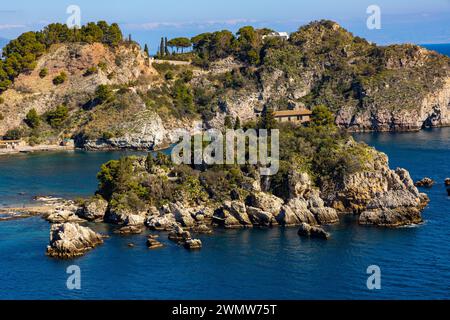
[
  {"x": 146, "y": 50},
  {"x": 32, "y": 119},
  {"x": 237, "y": 123},
  {"x": 178, "y": 43},
  {"x": 103, "y": 93},
  {"x": 267, "y": 120},
  {"x": 161, "y": 48},
  {"x": 43, "y": 73},
  {"x": 166, "y": 49},
  {"x": 60, "y": 79},
  {"x": 56, "y": 117},
  {"x": 228, "y": 122},
  {"x": 322, "y": 116}
]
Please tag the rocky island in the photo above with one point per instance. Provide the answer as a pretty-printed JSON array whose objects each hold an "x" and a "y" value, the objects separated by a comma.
[{"x": 92, "y": 88}]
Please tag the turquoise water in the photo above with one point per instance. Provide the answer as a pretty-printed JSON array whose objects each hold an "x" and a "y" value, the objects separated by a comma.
[{"x": 240, "y": 264}]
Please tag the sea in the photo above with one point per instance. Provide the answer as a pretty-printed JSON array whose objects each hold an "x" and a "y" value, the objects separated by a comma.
[{"x": 276, "y": 264}]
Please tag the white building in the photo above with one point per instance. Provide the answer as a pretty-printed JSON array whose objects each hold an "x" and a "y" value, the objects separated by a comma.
[{"x": 276, "y": 34}]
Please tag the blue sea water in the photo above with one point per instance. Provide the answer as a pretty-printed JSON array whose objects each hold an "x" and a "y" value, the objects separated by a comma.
[
  {"x": 443, "y": 48},
  {"x": 238, "y": 264}
]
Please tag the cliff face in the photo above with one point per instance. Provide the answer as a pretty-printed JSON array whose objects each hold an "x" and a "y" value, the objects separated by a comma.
[
  {"x": 119, "y": 66},
  {"x": 368, "y": 87}
]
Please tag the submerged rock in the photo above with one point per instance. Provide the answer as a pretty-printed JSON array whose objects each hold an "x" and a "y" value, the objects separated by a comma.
[
  {"x": 70, "y": 240},
  {"x": 132, "y": 229},
  {"x": 193, "y": 244},
  {"x": 152, "y": 243},
  {"x": 447, "y": 182},
  {"x": 312, "y": 232},
  {"x": 425, "y": 182}
]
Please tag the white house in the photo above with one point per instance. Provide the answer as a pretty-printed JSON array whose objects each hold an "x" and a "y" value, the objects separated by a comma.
[{"x": 276, "y": 34}]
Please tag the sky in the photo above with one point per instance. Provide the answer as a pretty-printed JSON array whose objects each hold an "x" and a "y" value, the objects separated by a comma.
[{"x": 412, "y": 21}]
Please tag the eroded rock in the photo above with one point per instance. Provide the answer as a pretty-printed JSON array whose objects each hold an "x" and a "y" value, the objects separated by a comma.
[{"x": 69, "y": 240}]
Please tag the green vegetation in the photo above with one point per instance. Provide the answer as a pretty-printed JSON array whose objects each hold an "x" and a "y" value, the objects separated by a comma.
[
  {"x": 90, "y": 71},
  {"x": 56, "y": 117},
  {"x": 43, "y": 73},
  {"x": 32, "y": 119},
  {"x": 21, "y": 54},
  {"x": 324, "y": 152},
  {"x": 13, "y": 134},
  {"x": 104, "y": 94},
  {"x": 60, "y": 79}
]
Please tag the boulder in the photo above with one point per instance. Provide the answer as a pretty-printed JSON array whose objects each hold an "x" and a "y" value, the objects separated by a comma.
[
  {"x": 179, "y": 235},
  {"x": 69, "y": 240},
  {"x": 396, "y": 217},
  {"x": 261, "y": 218},
  {"x": 61, "y": 215},
  {"x": 122, "y": 216},
  {"x": 131, "y": 229},
  {"x": 447, "y": 182},
  {"x": 193, "y": 244},
  {"x": 93, "y": 209},
  {"x": 425, "y": 183},
  {"x": 134, "y": 220},
  {"x": 309, "y": 231},
  {"x": 296, "y": 212},
  {"x": 394, "y": 208},
  {"x": 325, "y": 215},
  {"x": 299, "y": 184},
  {"x": 182, "y": 215},
  {"x": 152, "y": 243},
  {"x": 266, "y": 202},
  {"x": 161, "y": 223},
  {"x": 202, "y": 229},
  {"x": 233, "y": 214}
]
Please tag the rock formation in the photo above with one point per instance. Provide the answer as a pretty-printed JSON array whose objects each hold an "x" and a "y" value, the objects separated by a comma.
[
  {"x": 425, "y": 183},
  {"x": 70, "y": 240},
  {"x": 312, "y": 232}
]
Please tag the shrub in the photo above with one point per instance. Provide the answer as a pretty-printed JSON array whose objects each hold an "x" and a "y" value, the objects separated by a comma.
[
  {"x": 13, "y": 134},
  {"x": 90, "y": 71},
  {"x": 60, "y": 79},
  {"x": 55, "y": 118},
  {"x": 103, "y": 93},
  {"x": 32, "y": 119},
  {"x": 43, "y": 73},
  {"x": 169, "y": 75}
]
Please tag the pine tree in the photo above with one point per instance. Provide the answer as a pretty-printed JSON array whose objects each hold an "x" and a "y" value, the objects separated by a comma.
[
  {"x": 161, "y": 48},
  {"x": 166, "y": 47},
  {"x": 237, "y": 124},
  {"x": 268, "y": 119}
]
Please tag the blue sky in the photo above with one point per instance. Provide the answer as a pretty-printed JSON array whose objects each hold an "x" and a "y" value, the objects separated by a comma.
[{"x": 416, "y": 21}]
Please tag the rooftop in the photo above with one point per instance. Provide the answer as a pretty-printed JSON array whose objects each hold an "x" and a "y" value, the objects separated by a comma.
[{"x": 289, "y": 113}]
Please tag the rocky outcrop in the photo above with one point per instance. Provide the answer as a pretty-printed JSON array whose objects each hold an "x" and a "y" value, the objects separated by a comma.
[
  {"x": 152, "y": 243},
  {"x": 124, "y": 216},
  {"x": 70, "y": 240},
  {"x": 425, "y": 183},
  {"x": 93, "y": 209},
  {"x": 312, "y": 232},
  {"x": 232, "y": 215},
  {"x": 63, "y": 211},
  {"x": 184, "y": 238}
]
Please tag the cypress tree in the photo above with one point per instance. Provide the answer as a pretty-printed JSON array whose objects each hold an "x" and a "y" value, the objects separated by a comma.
[
  {"x": 166, "y": 47},
  {"x": 146, "y": 50},
  {"x": 161, "y": 48}
]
